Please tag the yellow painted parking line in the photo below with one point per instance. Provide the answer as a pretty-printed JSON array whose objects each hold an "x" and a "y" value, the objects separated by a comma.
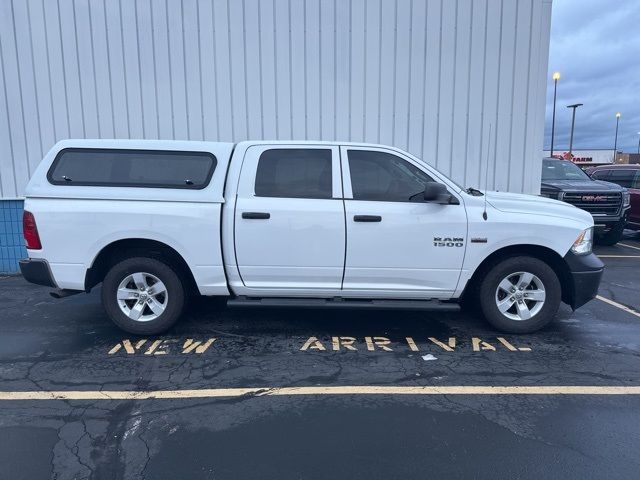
[
  {"x": 628, "y": 246},
  {"x": 618, "y": 305},
  {"x": 341, "y": 390}
]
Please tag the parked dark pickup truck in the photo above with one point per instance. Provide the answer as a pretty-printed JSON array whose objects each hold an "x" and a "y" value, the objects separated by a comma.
[
  {"x": 627, "y": 176},
  {"x": 608, "y": 203}
]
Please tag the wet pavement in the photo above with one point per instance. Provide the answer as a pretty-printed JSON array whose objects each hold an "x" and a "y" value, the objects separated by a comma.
[{"x": 70, "y": 345}]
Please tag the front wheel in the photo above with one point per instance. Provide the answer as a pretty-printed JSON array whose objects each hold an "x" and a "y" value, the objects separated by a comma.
[
  {"x": 143, "y": 296},
  {"x": 520, "y": 295}
]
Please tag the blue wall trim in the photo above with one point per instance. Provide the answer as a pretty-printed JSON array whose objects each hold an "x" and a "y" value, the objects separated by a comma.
[{"x": 12, "y": 246}]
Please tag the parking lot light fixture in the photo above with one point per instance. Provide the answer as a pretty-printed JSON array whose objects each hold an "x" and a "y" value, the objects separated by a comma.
[
  {"x": 555, "y": 77},
  {"x": 615, "y": 143}
]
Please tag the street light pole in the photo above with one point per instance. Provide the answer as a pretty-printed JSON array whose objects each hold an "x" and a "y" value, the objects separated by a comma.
[
  {"x": 615, "y": 145},
  {"x": 556, "y": 77},
  {"x": 573, "y": 123},
  {"x": 638, "y": 143}
]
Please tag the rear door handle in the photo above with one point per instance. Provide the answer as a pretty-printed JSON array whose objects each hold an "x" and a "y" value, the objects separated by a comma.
[
  {"x": 367, "y": 218},
  {"x": 256, "y": 215}
]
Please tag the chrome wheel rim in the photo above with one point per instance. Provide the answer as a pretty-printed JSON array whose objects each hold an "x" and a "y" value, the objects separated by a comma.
[
  {"x": 520, "y": 296},
  {"x": 142, "y": 296}
]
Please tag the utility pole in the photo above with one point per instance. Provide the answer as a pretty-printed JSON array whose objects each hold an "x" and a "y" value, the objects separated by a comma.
[
  {"x": 615, "y": 144},
  {"x": 556, "y": 77}
]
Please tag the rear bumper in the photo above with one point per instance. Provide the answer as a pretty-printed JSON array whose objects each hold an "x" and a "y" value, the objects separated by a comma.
[
  {"x": 36, "y": 270},
  {"x": 585, "y": 275}
]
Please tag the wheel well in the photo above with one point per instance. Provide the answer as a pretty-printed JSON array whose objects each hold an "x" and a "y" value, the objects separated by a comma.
[
  {"x": 551, "y": 258},
  {"x": 138, "y": 247}
]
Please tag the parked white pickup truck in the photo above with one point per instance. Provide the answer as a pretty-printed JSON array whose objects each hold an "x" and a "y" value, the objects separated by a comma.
[{"x": 306, "y": 224}]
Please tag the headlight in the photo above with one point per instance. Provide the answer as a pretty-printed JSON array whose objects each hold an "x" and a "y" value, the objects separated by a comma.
[
  {"x": 550, "y": 194},
  {"x": 584, "y": 242},
  {"x": 626, "y": 199}
]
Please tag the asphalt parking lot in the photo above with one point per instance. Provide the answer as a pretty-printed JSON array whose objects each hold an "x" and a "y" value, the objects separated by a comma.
[{"x": 320, "y": 394}]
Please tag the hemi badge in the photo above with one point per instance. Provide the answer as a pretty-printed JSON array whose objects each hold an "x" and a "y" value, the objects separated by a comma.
[{"x": 479, "y": 240}]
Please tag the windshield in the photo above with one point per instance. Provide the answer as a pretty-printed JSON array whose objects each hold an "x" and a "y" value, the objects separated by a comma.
[{"x": 562, "y": 170}]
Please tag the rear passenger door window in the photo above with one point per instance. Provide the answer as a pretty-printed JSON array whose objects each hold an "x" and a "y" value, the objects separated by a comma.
[
  {"x": 132, "y": 168},
  {"x": 294, "y": 173}
]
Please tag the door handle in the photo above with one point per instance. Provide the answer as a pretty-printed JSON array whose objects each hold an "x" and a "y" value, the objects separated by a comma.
[
  {"x": 367, "y": 218},
  {"x": 256, "y": 215}
]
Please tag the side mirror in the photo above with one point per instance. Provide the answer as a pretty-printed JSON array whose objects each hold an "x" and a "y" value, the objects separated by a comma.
[{"x": 435, "y": 192}]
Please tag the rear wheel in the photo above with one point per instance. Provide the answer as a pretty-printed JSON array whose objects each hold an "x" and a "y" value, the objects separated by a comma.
[
  {"x": 520, "y": 295},
  {"x": 613, "y": 236},
  {"x": 143, "y": 296}
]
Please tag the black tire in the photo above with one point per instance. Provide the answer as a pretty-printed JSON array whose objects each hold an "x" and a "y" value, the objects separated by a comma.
[
  {"x": 167, "y": 275},
  {"x": 613, "y": 236},
  {"x": 489, "y": 286}
]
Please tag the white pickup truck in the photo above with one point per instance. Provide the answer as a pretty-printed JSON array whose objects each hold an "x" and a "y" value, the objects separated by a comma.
[{"x": 305, "y": 224}]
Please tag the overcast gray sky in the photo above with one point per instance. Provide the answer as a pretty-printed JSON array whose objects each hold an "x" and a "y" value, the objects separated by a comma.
[{"x": 595, "y": 45}]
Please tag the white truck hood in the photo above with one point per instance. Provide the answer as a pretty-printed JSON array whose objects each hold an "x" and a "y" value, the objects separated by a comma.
[{"x": 535, "y": 205}]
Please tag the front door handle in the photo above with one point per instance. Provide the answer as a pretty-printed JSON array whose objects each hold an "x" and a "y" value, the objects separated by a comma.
[
  {"x": 256, "y": 215},
  {"x": 367, "y": 218}
]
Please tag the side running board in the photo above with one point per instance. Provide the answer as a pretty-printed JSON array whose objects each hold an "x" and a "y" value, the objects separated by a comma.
[{"x": 337, "y": 302}]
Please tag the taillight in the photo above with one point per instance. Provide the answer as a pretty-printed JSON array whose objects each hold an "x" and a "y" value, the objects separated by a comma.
[{"x": 30, "y": 231}]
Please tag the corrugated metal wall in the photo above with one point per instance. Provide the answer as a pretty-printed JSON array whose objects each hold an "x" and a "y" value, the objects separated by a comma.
[{"x": 428, "y": 76}]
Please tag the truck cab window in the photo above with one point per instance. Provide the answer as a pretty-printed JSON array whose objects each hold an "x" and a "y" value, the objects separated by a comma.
[
  {"x": 381, "y": 176},
  {"x": 600, "y": 174},
  {"x": 624, "y": 178},
  {"x": 294, "y": 173}
]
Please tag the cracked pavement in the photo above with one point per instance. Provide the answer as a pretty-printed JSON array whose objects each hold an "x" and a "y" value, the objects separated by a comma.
[{"x": 48, "y": 344}]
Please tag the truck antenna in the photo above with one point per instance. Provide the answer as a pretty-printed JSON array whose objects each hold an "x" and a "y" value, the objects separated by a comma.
[{"x": 486, "y": 173}]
